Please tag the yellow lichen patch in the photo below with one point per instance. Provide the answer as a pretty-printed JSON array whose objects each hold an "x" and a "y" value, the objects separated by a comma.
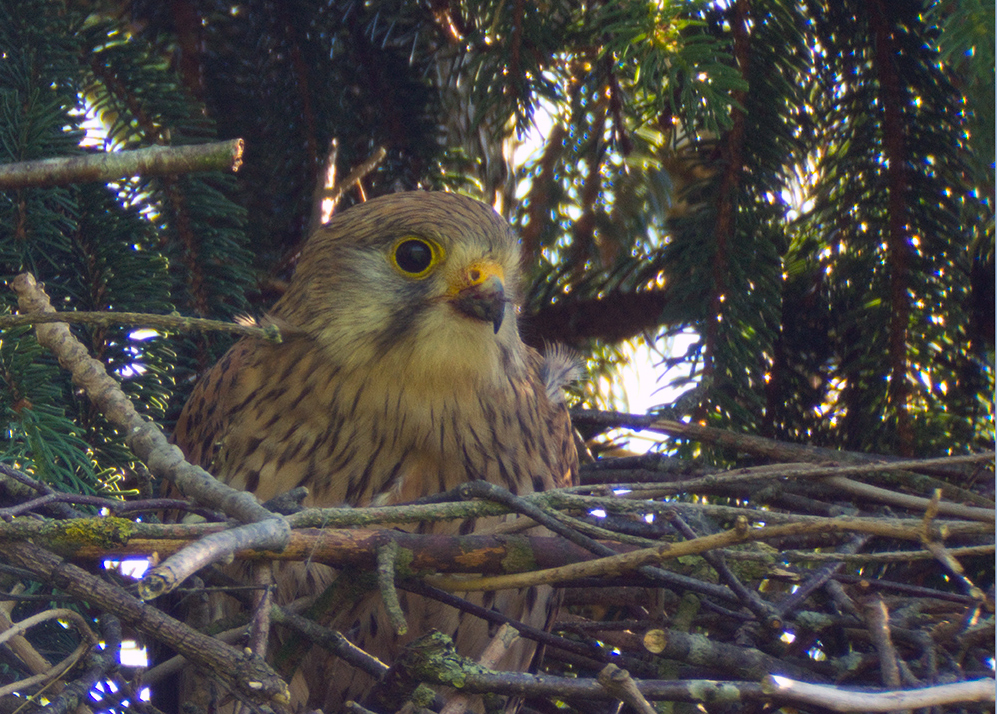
[{"x": 102, "y": 533}]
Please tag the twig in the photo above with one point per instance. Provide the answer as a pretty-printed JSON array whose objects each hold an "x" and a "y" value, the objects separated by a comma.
[
  {"x": 51, "y": 675},
  {"x": 617, "y": 682},
  {"x": 413, "y": 513},
  {"x": 483, "y": 489},
  {"x": 914, "y": 503},
  {"x": 151, "y": 446},
  {"x": 760, "y": 446},
  {"x": 942, "y": 554},
  {"x": 259, "y": 630},
  {"x": 20, "y": 646},
  {"x": 844, "y": 700},
  {"x": 270, "y": 534},
  {"x": 244, "y": 672},
  {"x": 830, "y": 474},
  {"x": 82, "y": 626},
  {"x": 111, "y": 165},
  {"x": 618, "y": 564},
  {"x": 877, "y": 619},
  {"x": 489, "y": 659},
  {"x": 166, "y": 323},
  {"x": 328, "y": 191},
  {"x": 545, "y": 685},
  {"x": 101, "y": 663},
  {"x": 897, "y": 556},
  {"x": 114, "y": 505},
  {"x": 545, "y": 638},
  {"x": 331, "y": 640},
  {"x": 794, "y": 600},
  {"x": 23, "y": 480},
  {"x": 750, "y": 598},
  {"x": 386, "y": 556}
]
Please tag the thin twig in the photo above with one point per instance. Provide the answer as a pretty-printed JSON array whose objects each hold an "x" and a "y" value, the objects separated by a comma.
[
  {"x": 166, "y": 323},
  {"x": 749, "y": 598},
  {"x": 622, "y": 563}
]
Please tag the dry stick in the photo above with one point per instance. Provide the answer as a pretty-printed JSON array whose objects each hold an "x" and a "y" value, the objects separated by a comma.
[
  {"x": 877, "y": 620},
  {"x": 618, "y": 682},
  {"x": 59, "y": 614},
  {"x": 489, "y": 659},
  {"x": 942, "y": 554},
  {"x": 23, "y": 481},
  {"x": 45, "y": 672},
  {"x": 618, "y": 564},
  {"x": 831, "y": 475},
  {"x": 166, "y": 323},
  {"x": 843, "y": 700},
  {"x": 386, "y": 556},
  {"x": 895, "y": 556},
  {"x": 164, "y": 459},
  {"x": 795, "y": 599},
  {"x": 483, "y": 489},
  {"x": 541, "y": 636},
  {"x": 749, "y": 598},
  {"x": 111, "y": 165},
  {"x": 99, "y": 664},
  {"x": 51, "y": 675},
  {"x": 914, "y": 503},
  {"x": 358, "y": 173},
  {"x": 25, "y": 651},
  {"x": 490, "y": 554},
  {"x": 544, "y": 685},
  {"x": 247, "y": 673},
  {"x": 783, "y": 451},
  {"x": 259, "y": 629}
]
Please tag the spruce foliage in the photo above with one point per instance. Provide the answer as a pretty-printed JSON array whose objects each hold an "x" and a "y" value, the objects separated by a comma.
[{"x": 806, "y": 187}]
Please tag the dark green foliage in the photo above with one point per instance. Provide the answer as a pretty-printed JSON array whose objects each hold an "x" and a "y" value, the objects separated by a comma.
[
  {"x": 117, "y": 247},
  {"x": 790, "y": 181},
  {"x": 805, "y": 187}
]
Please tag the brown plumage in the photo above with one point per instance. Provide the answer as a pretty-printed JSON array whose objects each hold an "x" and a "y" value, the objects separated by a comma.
[{"x": 403, "y": 375}]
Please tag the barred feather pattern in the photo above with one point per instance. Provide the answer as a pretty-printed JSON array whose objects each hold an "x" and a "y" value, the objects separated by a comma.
[{"x": 383, "y": 393}]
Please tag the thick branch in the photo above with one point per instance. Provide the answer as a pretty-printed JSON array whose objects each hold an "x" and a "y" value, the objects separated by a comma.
[
  {"x": 111, "y": 165},
  {"x": 613, "y": 318}
]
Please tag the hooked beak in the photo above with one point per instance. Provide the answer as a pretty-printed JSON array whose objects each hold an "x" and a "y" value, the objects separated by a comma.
[{"x": 480, "y": 293}]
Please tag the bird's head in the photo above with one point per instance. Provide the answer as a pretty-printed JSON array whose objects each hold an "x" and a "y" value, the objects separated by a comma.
[{"x": 425, "y": 282}]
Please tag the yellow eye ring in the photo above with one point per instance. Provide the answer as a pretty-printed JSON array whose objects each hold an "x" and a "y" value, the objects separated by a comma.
[{"x": 416, "y": 257}]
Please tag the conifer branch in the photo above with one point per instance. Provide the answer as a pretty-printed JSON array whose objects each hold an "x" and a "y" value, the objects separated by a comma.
[
  {"x": 113, "y": 165},
  {"x": 166, "y": 323}
]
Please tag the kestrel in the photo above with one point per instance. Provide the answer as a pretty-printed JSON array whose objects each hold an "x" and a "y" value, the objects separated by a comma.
[{"x": 402, "y": 375}]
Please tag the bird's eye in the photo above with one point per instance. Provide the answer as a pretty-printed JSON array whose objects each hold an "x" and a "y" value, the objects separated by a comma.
[{"x": 416, "y": 256}]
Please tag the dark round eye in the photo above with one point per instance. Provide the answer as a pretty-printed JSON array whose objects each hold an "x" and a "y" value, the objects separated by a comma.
[{"x": 414, "y": 256}]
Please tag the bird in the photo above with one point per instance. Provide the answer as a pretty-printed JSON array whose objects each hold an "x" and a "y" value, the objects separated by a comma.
[{"x": 401, "y": 374}]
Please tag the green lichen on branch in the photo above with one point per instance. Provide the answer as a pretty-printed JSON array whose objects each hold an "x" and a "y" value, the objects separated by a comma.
[
  {"x": 431, "y": 658},
  {"x": 520, "y": 557},
  {"x": 69, "y": 536}
]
